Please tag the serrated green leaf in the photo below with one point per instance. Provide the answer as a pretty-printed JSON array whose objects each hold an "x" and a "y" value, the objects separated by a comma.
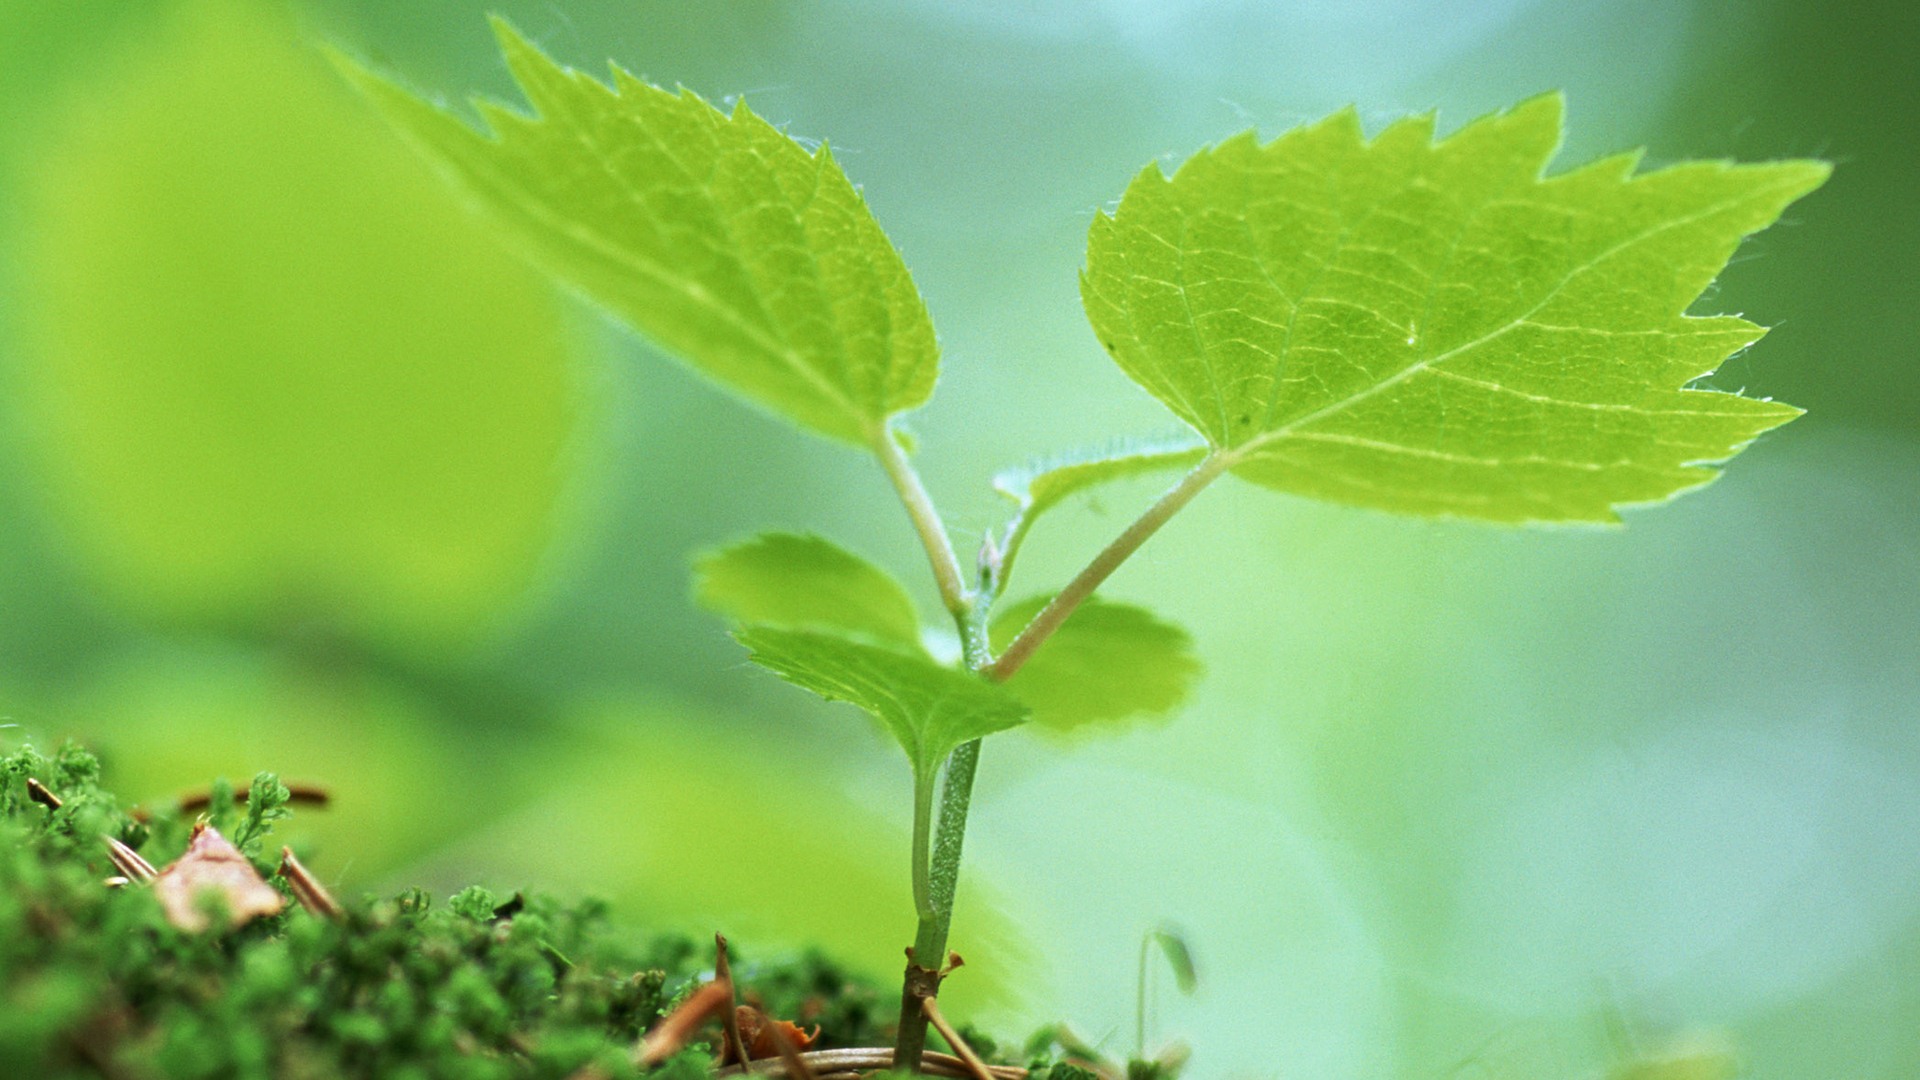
[
  {"x": 1433, "y": 327},
  {"x": 799, "y": 581},
  {"x": 1109, "y": 662},
  {"x": 728, "y": 243},
  {"x": 930, "y": 709}
]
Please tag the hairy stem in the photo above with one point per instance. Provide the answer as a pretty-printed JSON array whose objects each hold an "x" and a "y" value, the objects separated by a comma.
[
  {"x": 1104, "y": 564},
  {"x": 926, "y": 522},
  {"x": 943, "y": 874},
  {"x": 956, "y": 797}
]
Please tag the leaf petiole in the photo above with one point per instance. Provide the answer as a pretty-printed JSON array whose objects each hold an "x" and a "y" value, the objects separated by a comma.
[
  {"x": 926, "y": 521},
  {"x": 1104, "y": 564}
]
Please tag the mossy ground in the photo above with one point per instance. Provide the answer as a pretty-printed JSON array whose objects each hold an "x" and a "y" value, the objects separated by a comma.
[{"x": 96, "y": 982}]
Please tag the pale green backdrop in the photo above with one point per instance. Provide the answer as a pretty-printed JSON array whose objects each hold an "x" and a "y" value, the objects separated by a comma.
[{"x": 299, "y": 470}]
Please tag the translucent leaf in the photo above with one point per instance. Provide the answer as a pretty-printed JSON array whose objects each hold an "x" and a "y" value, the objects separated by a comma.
[
  {"x": 1433, "y": 327},
  {"x": 930, "y": 709},
  {"x": 1107, "y": 663},
  {"x": 794, "y": 581},
  {"x": 1041, "y": 485},
  {"x": 725, "y": 241}
]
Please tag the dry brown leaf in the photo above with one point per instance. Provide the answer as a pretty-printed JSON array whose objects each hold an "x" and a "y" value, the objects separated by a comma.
[
  {"x": 757, "y": 1032},
  {"x": 213, "y": 864}
]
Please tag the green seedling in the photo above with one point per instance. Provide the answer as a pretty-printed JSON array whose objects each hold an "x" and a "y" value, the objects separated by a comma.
[
  {"x": 1422, "y": 325},
  {"x": 1186, "y": 978}
]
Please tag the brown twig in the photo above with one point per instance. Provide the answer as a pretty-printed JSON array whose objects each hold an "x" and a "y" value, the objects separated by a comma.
[
  {"x": 676, "y": 1029},
  {"x": 128, "y": 862},
  {"x": 723, "y": 972},
  {"x": 306, "y": 888},
  {"x": 310, "y": 794},
  {"x": 38, "y": 792},
  {"x": 932, "y": 1008}
]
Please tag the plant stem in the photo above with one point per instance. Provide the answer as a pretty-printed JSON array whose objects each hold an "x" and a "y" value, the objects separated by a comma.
[
  {"x": 922, "y": 826},
  {"x": 926, "y": 522},
  {"x": 1104, "y": 564},
  {"x": 943, "y": 879},
  {"x": 956, "y": 798},
  {"x": 938, "y": 872},
  {"x": 936, "y": 858}
]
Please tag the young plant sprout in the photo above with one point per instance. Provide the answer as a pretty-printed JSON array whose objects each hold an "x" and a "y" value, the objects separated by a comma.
[{"x": 1421, "y": 325}]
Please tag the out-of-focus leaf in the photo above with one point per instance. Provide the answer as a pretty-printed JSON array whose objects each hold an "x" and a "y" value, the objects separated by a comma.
[
  {"x": 399, "y": 780},
  {"x": 691, "y": 820},
  {"x": 928, "y": 708},
  {"x": 271, "y": 372},
  {"x": 1179, "y": 958},
  {"x": 716, "y": 235},
  {"x": 795, "y": 581},
  {"x": 1701, "y": 1055},
  {"x": 1108, "y": 662},
  {"x": 1432, "y": 327}
]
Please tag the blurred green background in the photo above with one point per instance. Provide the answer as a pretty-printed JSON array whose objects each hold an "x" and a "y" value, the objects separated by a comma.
[{"x": 299, "y": 470}]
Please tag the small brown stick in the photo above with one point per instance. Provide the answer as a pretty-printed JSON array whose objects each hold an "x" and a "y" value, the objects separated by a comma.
[
  {"x": 128, "y": 862},
  {"x": 723, "y": 972},
  {"x": 978, "y": 1068},
  {"x": 38, "y": 792},
  {"x": 676, "y": 1029},
  {"x": 306, "y": 888},
  {"x": 858, "y": 1061},
  {"x": 311, "y": 794}
]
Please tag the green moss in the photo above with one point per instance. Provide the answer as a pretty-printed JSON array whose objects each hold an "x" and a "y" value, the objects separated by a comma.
[{"x": 94, "y": 981}]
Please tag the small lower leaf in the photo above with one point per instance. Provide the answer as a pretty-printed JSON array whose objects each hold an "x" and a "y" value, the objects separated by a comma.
[
  {"x": 1109, "y": 662},
  {"x": 930, "y": 709},
  {"x": 792, "y": 580}
]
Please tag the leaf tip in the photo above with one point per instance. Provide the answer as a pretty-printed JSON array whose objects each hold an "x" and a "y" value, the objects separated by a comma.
[
  {"x": 1548, "y": 107},
  {"x": 530, "y": 67},
  {"x": 1805, "y": 174},
  {"x": 360, "y": 75},
  {"x": 507, "y": 35},
  {"x": 1343, "y": 122},
  {"x": 1414, "y": 129}
]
